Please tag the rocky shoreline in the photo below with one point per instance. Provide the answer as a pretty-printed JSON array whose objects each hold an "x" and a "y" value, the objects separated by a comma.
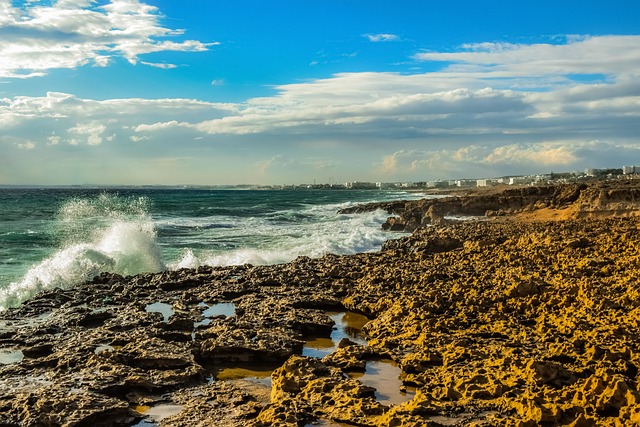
[
  {"x": 507, "y": 321},
  {"x": 568, "y": 201}
]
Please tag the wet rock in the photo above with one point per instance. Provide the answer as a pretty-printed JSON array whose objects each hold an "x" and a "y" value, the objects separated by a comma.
[
  {"x": 394, "y": 223},
  {"x": 220, "y": 403},
  {"x": 58, "y": 406},
  {"x": 249, "y": 345}
]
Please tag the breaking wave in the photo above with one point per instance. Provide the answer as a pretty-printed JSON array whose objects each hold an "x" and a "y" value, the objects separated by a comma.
[
  {"x": 105, "y": 234},
  {"x": 131, "y": 235}
]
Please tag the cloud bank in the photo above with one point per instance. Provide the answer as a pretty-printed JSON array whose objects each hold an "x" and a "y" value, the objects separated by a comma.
[{"x": 491, "y": 109}]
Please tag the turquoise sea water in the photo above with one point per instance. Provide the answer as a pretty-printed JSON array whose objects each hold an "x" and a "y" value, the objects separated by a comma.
[{"x": 57, "y": 237}]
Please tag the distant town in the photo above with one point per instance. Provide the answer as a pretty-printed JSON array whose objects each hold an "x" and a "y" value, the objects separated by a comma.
[{"x": 626, "y": 172}]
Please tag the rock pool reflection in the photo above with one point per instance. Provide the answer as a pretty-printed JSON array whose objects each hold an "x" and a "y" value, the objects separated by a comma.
[
  {"x": 157, "y": 413},
  {"x": 160, "y": 307},
  {"x": 258, "y": 373},
  {"x": 384, "y": 376},
  {"x": 226, "y": 309},
  {"x": 8, "y": 357},
  {"x": 347, "y": 325}
]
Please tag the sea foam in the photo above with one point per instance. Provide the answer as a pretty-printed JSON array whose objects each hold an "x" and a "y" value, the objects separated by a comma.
[
  {"x": 275, "y": 242},
  {"x": 105, "y": 234}
]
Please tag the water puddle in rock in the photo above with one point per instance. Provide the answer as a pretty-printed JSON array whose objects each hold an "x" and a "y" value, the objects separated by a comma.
[
  {"x": 226, "y": 309},
  {"x": 157, "y": 413},
  {"x": 347, "y": 325},
  {"x": 23, "y": 383},
  {"x": 446, "y": 421},
  {"x": 256, "y": 373},
  {"x": 160, "y": 307},
  {"x": 384, "y": 376},
  {"x": 10, "y": 326},
  {"x": 8, "y": 357},
  {"x": 326, "y": 423}
]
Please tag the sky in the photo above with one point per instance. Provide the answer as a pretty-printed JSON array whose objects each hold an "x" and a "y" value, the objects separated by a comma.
[{"x": 128, "y": 92}]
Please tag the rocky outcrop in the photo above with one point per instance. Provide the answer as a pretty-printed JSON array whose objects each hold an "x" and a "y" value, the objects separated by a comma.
[
  {"x": 596, "y": 199},
  {"x": 504, "y": 323}
]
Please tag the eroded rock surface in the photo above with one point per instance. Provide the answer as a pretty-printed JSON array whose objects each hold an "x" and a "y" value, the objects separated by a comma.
[
  {"x": 594, "y": 199},
  {"x": 498, "y": 322}
]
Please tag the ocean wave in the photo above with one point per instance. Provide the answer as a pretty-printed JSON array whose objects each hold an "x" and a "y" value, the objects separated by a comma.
[
  {"x": 111, "y": 233},
  {"x": 270, "y": 244},
  {"x": 98, "y": 237}
]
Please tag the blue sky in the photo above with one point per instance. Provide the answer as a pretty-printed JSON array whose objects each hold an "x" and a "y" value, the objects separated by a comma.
[{"x": 278, "y": 92}]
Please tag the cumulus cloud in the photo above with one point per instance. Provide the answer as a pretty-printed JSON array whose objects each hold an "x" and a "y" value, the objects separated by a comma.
[
  {"x": 29, "y": 145},
  {"x": 37, "y": 37},
  {"x": 53, "y": 140},
  {"x": 18, "y": 142},
  {"x": 92, "y": 131},
  {"x": 542, "y": 154}
]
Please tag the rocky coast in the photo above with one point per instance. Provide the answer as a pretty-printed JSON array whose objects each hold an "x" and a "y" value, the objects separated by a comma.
[{"x": 527, "y": 315}]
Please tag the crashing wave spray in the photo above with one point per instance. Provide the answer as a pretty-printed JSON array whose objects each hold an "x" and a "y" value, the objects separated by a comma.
[{"x": 104, "y": 234}]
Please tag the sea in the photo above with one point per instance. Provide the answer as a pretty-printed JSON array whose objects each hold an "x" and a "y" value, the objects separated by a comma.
[{"x": 58, "y": 237}]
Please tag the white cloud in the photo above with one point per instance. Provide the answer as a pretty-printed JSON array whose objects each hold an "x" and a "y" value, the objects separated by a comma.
[
  {"x": 92, "y": 131},
  {"x": 53, "y": 140},
  {"x": 18, "y": 142},
  {"x": 160, "y": 65},
  {"x": 609, "y": 55},
  {"x": 68, "y": 120},
  {"x": 541, "y": 154},
  {"x": 69, "y": 34},
  {"x": 343, "y": 101},
  {"x": 26, "y": 145},
  {"x": 159, "y": 127},
  {"x": 56, "y": 105},
  {"x": 382, "y": 37}
]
